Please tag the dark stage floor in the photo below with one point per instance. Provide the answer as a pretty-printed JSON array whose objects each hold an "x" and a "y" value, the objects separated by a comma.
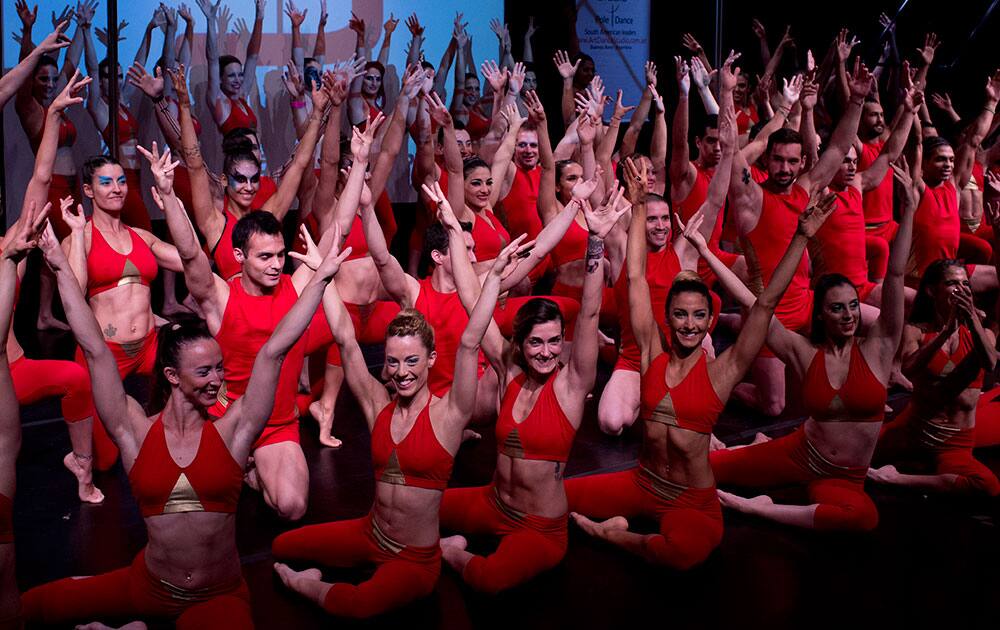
[{"x": 932, "y": 562}]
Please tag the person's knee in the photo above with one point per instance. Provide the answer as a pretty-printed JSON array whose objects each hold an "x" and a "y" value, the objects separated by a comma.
[
  {"x": 290, "y": 505},
  {"x": 772, "y": 401},
  {"x": 613, "y": 419},
  {"x": 681, "y": 552},
  {"x": 849, "y": 516},
  {"x": 977, "y": 483}
]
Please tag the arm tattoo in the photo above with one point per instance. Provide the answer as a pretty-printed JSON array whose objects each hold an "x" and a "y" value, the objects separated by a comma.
[
  {"x": 110, "y": 331},
  {"x": 595, "y": 251},
  {"x": 746, "y": 176}
]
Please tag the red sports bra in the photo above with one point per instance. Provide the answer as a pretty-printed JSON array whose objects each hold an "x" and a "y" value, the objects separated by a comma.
[
  {"x": 128, "y": 128},
  {"x": 67, "y": 134},
  {"x": 210, "y": 483},
  {"x": 241, "y": 116},
  {"x": 6, "y": 520},
  {"x": 942, "y": 364},
  {"x": 544, "y": 434},
  {"x": 107, "y": 269},
  {"x": 691, "y": 404},
  {"x": 194, "y": 119},
  {"x": 489, "y": 236},
  {"x": 860, "y": 399},
  {"x": 572, "y": 246},
  {"x": 418, "y": 461}
]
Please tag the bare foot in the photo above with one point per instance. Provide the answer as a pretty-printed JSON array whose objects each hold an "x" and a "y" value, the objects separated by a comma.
[
  {"x": 897, "y": 378},
  {"x": 82, "y": 470},
  {"x": 715, "y": 444},
  {"x": 293, "y": 579},
  {"x": 135, "y": 625},
  {"x": 885, "y": 474},
  {"x": 453, "y": 542},
  {"x": 49, "y": 322},
  {"x": 743, "y": 504},
  {"x": 250, "y": 476},
  {"x": 324, "y": 418},
  {"x": 760, "y": 438},
  {"x": 469, "y": 434},
  {"x": 599, "y": 530},
  {"x": 604, "y": 340}
]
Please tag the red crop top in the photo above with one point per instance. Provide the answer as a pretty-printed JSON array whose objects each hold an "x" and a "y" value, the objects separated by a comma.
[
  {"x": 942, "y": 364},
  {"x": 241, "y": 116},
  {"x": 6, "y": 520},
  {"x": 210, "y": 483},
  {"x": 418, "y": 461},
  {"x": 572, "y": 246},
  {"x": 489, "y": 236},
  {"x": 128, "y": 128},
  {"x": 544, "y": 434},
  {"x": 67, "y": 134},
  {"x": 691, "y": 404},
  {"x": 860, "y": 399},
  {"x": 107, "y": 269}
]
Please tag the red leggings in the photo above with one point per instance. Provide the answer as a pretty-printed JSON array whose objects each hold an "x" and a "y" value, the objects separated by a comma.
[
  {"x": 35, "y": 380},
  {"x": 132, "y": 358},
  {"x": 403, "y": 573},
  {"x": 988, "y": 418},
  {"x": 529, "y": 544},
  {"x": 877, "y": 241},
  {"x": 133, "y": 592},
  {"x": 974, "y": 250},
  {"x": 838, "y": 491},
  {"x": 690, "y": 518},
  {"x": 944, "y": 450}
]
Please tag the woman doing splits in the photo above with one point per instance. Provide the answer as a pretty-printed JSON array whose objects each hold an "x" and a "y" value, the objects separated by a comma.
[
  {"x": 844, "y": 380},
  {"x": 185, "y": 468},
  {"x": 682, "y": 395},
  {"x": 414, "y": 440},
  {"x": 540, "y": 413}
]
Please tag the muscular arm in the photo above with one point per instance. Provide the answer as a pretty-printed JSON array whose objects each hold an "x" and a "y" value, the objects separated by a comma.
[
  {"x": 402, "y": 287},
  {"x": 253, "y": 52},
  {"x": 644, "y": 327},
  {"x": 889, "y": 326},
  {"x": 582, "y": 366},
  {"x": 840, "y": 143},
  {"x": 96, "y": 106},
  {"x": 874, "y": 174},
  {"x": 279, "y": 203},
  {"x": 329, "y": 166},
  {"x": 207, "y": 217},
  {"x": 639, "y": 117},
  {"x": 682, "y": 172},
  {"x": 965, "y": 154}
]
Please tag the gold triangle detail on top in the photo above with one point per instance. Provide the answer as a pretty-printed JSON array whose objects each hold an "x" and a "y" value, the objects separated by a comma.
[
  {"x": 512, "y": 446},
  {"x": 664, "y": 412},
  {"x": 183, "y": 498},
  {"x": 948, "y": 368},
  {"x": 130, "y": 274},
  {"x": 392, "y": 473},
  {"x": 836, "y": 404}
]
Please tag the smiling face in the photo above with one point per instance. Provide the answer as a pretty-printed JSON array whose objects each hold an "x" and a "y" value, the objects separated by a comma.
[
  {"x": 264, "y": 259},
  {"x": 43, "y": 86},
  {"x": 847, "y": 171},
  {"x": 841, "y": 312},
  {"x": 954, "y": 279},
  {"x": 407, "y": 364},
  {"x": 742, "y": 90},
  {"x": 371, "y": 82},
  {"x": 872, "y": 121},
  {"x": 471, "y": 96},
  {"x": 106, "y": 86},
  {"x": 657, "y": 224},
  {"x": 526, "y": 149},
  {"x": 569, "y": 177},
  {"x": 199, "y": 374},
  {"x": 939, "y": 165},
  {"x": 478, "y": 186},
  {"x": 242, "y": 183},
  {"x": 542, "y": 347},
  {"x": 464, "y": 143},
  {"x": 784, "y": 161},
  {"x": 108, "y": 188},
  {"x": 231, "y": 80},
  {"x": 688, "y": 316}
]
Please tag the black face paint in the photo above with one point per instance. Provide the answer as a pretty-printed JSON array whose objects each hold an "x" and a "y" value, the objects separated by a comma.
[
  {"x": 236, "y": 179},
  {"x": 312, "y": 78}
]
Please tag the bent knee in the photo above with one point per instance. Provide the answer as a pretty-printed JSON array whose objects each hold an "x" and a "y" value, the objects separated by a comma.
[
  {"x": 679, "y": 552},
  {"x": 978, "y": 484},
  {"x": 773, "y": 405},
  {"x": 290, "y": 506},
  {"x": 847, "y": 517},
  {"x": 614, "y": 421}
]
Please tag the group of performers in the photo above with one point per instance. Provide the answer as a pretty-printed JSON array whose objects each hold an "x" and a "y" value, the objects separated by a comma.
[{"x": 828, "y": 242}]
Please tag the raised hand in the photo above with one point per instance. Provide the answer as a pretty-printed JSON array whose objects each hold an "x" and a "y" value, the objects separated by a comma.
[
  {"x": 330, "y": 264},
  {"x": 810, "y": 94},
  {"x": 689, "y": 42},
  {"x": 102, "y": 34},
  {"x": 64, "y": 16},
  {"x": 585, "y": 128},
  {"x": 516, "y": 80},
  {"x": 445, "y": 213},
  {"x": 438, "y": 110},
  {"x": 412, "y": 23},
  {"x": 532, "y": 28},
  {"x": 942, "y": 101},
  {"x": 813, "y": 217},
  {"x": 390, "y": 24},
  {"x": 27, "y": 15},
  {"x": 294, "y": 15},
  {"x": 791, "y": 91},
  {"x": 683, "y": 75},
  {"x": 636, "y": 180},
  {"x": 494, "y": 75},
  {"x": 293, "y": 81},
  {"x": 151, "y": 86},
  {"x": 513, "y": 116},
  {"x": 536, "y": 112},
  {"x": 413, "y": 80},
  {"x": 566, "y": 69},
  {"x": 620, "y": 109},
  {"x": 225, "y": 16},
  {"x": 323, "y": 15},
  {"x": 787, "y": 39},
  {"x": 361, "y": 142},
  {"x": 178, "y": 78},
  {"x": 860, "y": 81},
  {"x": 657, "y": 99},
  {"x": 69, "y": 94},
  {"x": 161, "y": 166},
  {"x": 650, "y": 73},
  {"x": 54, "y": 256},
  {"x": 209, "y": 9},
  {"x": 913, "y": 98},
  {"x": 845, "y": 47},
  {"x": 85, "y": 12},
  {"x": 357, "y": 25},
  {"x": 55, "y": 40},
  {"x": 601, "y": 220},
  {"x": 992, "y": 211},
  {"x": 460, "y": 35},
  {"x": 692, "y": 231},
  {"x": 185, "y": 12},
  {"x": 993, "y": 86},
  {"x": 27, "y": 232},
  {"x": 700, "y": 77},
  {"x": 758, "y": 29},
  {"x": 728, "y": 74},
  {"x": 510, "y": 256},
  {"x": 929, "y": 48}
]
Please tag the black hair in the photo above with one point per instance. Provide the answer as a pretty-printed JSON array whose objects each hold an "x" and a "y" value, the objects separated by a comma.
[
  {"x": 46, "y": 60},
  {"x": 238, "y": 140},
  {"x": 757, "y": 127},
  {"x": 91, "y": 165},
  {"x": 711, "y": 122},
  {"x": 104, "y": 68},
  {"x": 459, "y": 126},
  {"x": 688, "y": 282},
  {"x": 472, "y": 163},
  {"x": 232, "y": 159},
  {"x": 585, "y": 57},
  {"x": 817, "y": 330},
  {"x": 923, "y": 305},
  {"x": 426, "y": 65},
  {"x": 380, "y": 97},
  {"x": 436, "y": 238},
  {"x": 170, "y": 338},
  {"x": 932, "y": 143},
  {"x": 783, "y": 136},
  {"x": 535, "y": 311},
  {"x": 225, "y": 60},
  {"x": 255, "y": 222},
  {"x": 471, "y": 75}
]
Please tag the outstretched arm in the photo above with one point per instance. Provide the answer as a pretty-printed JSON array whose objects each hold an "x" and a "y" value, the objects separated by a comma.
[
  {"x": 874, "y": 174},
  {"x": 216, "y": 99},
  {"x": 682, "y": 173},
  {"x": 644, "y": 327},
  {"x": 253, "y": 51},
  {"x": 18, "y": 76},
  {"x": 965, "y": 153}
]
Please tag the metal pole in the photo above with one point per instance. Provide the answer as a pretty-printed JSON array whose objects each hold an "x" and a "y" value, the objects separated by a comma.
[
  {"x": 3, "y": 143},
  {"x": 717, "y": 48},
  {"x": 114, "y": 88}
]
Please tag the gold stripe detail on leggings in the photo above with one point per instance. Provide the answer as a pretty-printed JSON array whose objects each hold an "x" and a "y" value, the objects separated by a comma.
[
  {"x": 505, "y": 509},
  {"x": 384, "y": 542},
  {"x": 663, "y": 488}
]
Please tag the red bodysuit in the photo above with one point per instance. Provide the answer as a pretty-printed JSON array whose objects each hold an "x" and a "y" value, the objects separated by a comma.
[
  {"x": 489, "y": 236},
  {"x": 107, "y": 269},
  {"x": 689, "y": 205},
  {"x": 247, "y": 324},
  {"x": 572, "y": 246},
  {"x": 765, "y": 245},
  {"x": 241, "y": 116},
  {"x": 691, "y": 404},
  {"x": 445, "y": 314},
  {"x": 860, "y": 399},
  {"x": 222, "y": 254},
  {"x": 746, "y": 118},
  {"x": 128, "y": 128},
  {"x": 839, "y": 245},
  {"x": 545, "y": 433},
  {"x": 210, "y": 483},
  {"x": 418, "y": 461},
  {"x": 877, "y": 202},
  {"x": 521, "y": 203},
  {"x": 936, "y": 229},
  {"x": 67, "y": 133}
]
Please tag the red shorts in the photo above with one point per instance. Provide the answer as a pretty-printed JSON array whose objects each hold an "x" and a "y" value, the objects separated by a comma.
[
  {"x": 36, "y": 380},
  {"x": 886, "y": 231},
  {"x": 133, "y": 592},
  {"x": 272, "y": 433}
]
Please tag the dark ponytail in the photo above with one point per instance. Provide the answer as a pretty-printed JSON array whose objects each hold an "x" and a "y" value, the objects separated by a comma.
[{"x": 181, "y": 330}]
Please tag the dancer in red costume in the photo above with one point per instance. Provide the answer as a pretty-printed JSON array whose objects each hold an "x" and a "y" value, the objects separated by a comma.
[
  {"x": 415, "y": 436},
  {"x": 539, "y": 416},
  {"x": 939, "y": 173},
  {"x": 215, "y": 221},
  {"x": 831, "y": 452},
  {"x": 682, "y": 396},
  {"x": 766, "y": 219},
  {"x": 184, "y": 466},
  {"x": 230, "y": 82},
  {"x": 20, "y": 240},
  {"x": 945, "y": 351},
  {"x": 35, "y": 380}
]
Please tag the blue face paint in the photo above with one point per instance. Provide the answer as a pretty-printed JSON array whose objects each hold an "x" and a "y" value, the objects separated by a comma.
[
  {"x": 104, "y": 181},
  {"x": 122, "y": 180}
]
